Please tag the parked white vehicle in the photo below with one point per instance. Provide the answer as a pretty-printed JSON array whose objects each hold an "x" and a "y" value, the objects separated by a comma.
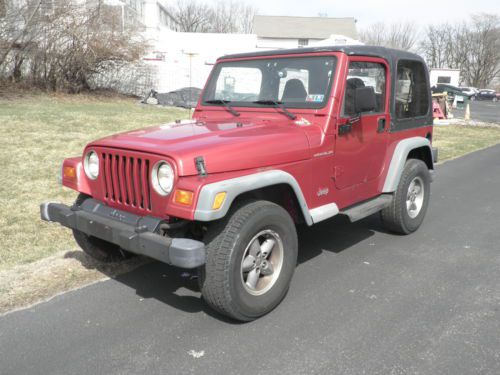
[{"x": 470, "y": 92}]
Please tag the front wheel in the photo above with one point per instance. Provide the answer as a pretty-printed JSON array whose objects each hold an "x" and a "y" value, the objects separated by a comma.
[
  {"x": 251, "y": 258},
  {"x": 411, "y": 198}
]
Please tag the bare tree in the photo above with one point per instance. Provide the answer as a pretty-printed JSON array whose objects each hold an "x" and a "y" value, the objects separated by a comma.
[
  {"x": 397, "y": 35},
  {"x": 16, "y": 25},
  {"x": 62, "y": 47},
  {"x": 190, "y": 16},
  {"x": 225, "y": 16},
  {"x": 483, "y": 43},
  {"x": 472, "y": 47},
  {"x": 245, "y": 20}
]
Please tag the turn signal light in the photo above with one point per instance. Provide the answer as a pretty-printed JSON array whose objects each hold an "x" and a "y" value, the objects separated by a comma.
[
  {"x": 219, "y": 200},
  {"x": 183, "y": 197},
  {"x": 69, "y": 173}
]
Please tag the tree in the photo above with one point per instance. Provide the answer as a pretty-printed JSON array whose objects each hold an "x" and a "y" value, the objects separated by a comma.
[
  {"x": 397, "y": 35},
  {"x": 226, "y": 16},
  {"x": 64, "y": 46},
  {"x": 190, "y": 16},
  {"x": 473, "y": 47}
]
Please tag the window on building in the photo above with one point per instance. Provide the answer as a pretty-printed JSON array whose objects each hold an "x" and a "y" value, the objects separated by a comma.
[
  {"x": 303, "y": 42},
  {"x": 365, "y": 74},
  {"x": 444, "y": 79},
  {"x": 135, "y": 5},
  {"x": 412, "y": 96},
  {"x": 3, "y": 8}
]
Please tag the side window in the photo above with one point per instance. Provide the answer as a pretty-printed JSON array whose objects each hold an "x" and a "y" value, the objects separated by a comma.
[
  {"x": 412, "y": 96},
  {"x": 238, "y": 84},
  {"x": 365, "y": 74}
]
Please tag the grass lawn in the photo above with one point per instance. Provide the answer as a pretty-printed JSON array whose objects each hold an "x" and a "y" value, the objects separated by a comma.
[
  {"x": 38, "y": 132},
  {"x": 454, "y": 140}
]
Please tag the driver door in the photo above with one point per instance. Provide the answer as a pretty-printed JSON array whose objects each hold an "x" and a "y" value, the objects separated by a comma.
[{"x": 361, "y": 144}]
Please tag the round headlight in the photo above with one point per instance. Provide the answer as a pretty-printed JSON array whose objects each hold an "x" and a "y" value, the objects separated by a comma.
[
  {"x": 163, "y": 178},
  {"x": 91, "y": 165}
]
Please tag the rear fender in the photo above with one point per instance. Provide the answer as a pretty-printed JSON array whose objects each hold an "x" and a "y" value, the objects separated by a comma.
[{"x": 401, "y": 153}]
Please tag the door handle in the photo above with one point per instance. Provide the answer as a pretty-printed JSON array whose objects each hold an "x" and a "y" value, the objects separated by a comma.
[{"x": 381, "y": 125}]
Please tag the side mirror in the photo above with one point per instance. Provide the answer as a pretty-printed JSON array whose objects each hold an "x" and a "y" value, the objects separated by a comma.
[{"x": 364, "y": 99}]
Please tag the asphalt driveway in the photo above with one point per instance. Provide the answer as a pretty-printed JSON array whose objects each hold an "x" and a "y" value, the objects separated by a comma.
[
  {"x": 362, "y": 301},
  {"x": 481, "y": 110}
]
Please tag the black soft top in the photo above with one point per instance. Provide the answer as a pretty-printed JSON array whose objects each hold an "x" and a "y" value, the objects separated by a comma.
[
  {"x": 392, "y": 56},
  {"x": 388, "y": 54}
]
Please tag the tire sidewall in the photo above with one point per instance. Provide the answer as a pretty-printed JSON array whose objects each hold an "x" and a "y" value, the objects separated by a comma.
[
  {"x": 414, "y": 168},
  {"x": 278, "y": 220}
]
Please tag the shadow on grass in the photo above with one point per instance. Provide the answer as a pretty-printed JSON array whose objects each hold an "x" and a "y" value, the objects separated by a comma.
[{"x": 179, "y": 288}]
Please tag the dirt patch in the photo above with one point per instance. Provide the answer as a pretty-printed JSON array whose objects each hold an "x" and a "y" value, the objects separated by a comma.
[{"x": 24, "y": 285}]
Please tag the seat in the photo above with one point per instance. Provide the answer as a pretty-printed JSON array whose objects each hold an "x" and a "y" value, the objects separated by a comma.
[
  {"x": 294, "y": 90},
  {"x": 351, "y": 85}
]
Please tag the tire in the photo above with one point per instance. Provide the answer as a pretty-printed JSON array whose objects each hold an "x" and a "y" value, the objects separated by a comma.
[
  {"x": 251, "y": 258},
  {"x": 96, "y": 248},
  {"x": 411, "y": 199}
]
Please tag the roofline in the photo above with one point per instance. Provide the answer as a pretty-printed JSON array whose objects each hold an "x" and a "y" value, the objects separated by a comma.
[
  {"x": 362, "y": 50},
  {"x": 446, "y": 69},
  {"x": 311, "y": 17}
]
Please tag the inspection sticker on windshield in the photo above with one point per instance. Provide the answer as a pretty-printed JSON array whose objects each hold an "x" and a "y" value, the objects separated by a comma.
[{"x": 315, "y": 98}]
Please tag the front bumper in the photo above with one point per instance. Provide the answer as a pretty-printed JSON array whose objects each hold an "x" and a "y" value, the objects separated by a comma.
[{"x": 137, "y": 234}]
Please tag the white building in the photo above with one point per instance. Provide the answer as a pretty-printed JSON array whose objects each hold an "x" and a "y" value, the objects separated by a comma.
[
  {"x": 176, "y": 59},
  {"x": 292, "y": 32},
  {"x": 442, "y": 75},
  {"x": 186, "y": 59}
]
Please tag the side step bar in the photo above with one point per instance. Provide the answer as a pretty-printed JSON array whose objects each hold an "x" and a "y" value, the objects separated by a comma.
[{"x": 362, "y": 210}]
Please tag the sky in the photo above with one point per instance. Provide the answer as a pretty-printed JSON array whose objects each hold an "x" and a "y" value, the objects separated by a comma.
[{"x": 366, "y": 12}]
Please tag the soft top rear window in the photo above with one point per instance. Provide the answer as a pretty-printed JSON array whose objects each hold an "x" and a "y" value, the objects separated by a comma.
[
  {"x": 411, "y": 95},
  {"x": 297, "y": 82}
]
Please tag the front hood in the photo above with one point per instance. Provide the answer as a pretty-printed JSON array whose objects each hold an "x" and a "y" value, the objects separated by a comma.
[{"x": 225, "y": 146}]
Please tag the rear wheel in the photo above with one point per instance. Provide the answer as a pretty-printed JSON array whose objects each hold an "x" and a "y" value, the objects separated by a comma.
[
  {"x": 98, "y": 249},
  {"x": 411, "y": 198},
  {"x": 251, "y": 258}
]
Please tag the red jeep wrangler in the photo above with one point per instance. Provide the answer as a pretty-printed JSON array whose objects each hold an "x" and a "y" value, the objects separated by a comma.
[{"x": 278, "y": 138}]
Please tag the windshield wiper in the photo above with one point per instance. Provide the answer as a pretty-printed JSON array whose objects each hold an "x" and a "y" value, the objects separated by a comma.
[
  {"x": 277, "y": 104},
  {"x": 226, "y": 104}
]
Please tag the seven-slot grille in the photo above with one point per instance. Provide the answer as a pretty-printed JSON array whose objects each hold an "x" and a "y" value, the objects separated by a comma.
[{"x": 126, "y": 180}]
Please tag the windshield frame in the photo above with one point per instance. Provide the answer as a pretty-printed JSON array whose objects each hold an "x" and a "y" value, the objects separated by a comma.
[{"x": 313, "y": 106}]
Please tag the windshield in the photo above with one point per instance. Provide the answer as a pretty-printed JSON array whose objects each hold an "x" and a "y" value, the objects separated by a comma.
[{"x": 297, "y": 82}]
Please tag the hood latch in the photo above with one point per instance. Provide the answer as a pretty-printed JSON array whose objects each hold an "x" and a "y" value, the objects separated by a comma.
[{"x": 200, "y": 166}]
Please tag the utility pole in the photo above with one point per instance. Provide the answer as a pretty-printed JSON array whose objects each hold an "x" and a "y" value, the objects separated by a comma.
[{"x": 190, "y": 55}]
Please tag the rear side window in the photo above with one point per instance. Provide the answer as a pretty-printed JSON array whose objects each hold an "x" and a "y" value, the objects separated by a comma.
[
  {"x": 365, "y": 74},
  {"x": 412, "y": 97}
]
